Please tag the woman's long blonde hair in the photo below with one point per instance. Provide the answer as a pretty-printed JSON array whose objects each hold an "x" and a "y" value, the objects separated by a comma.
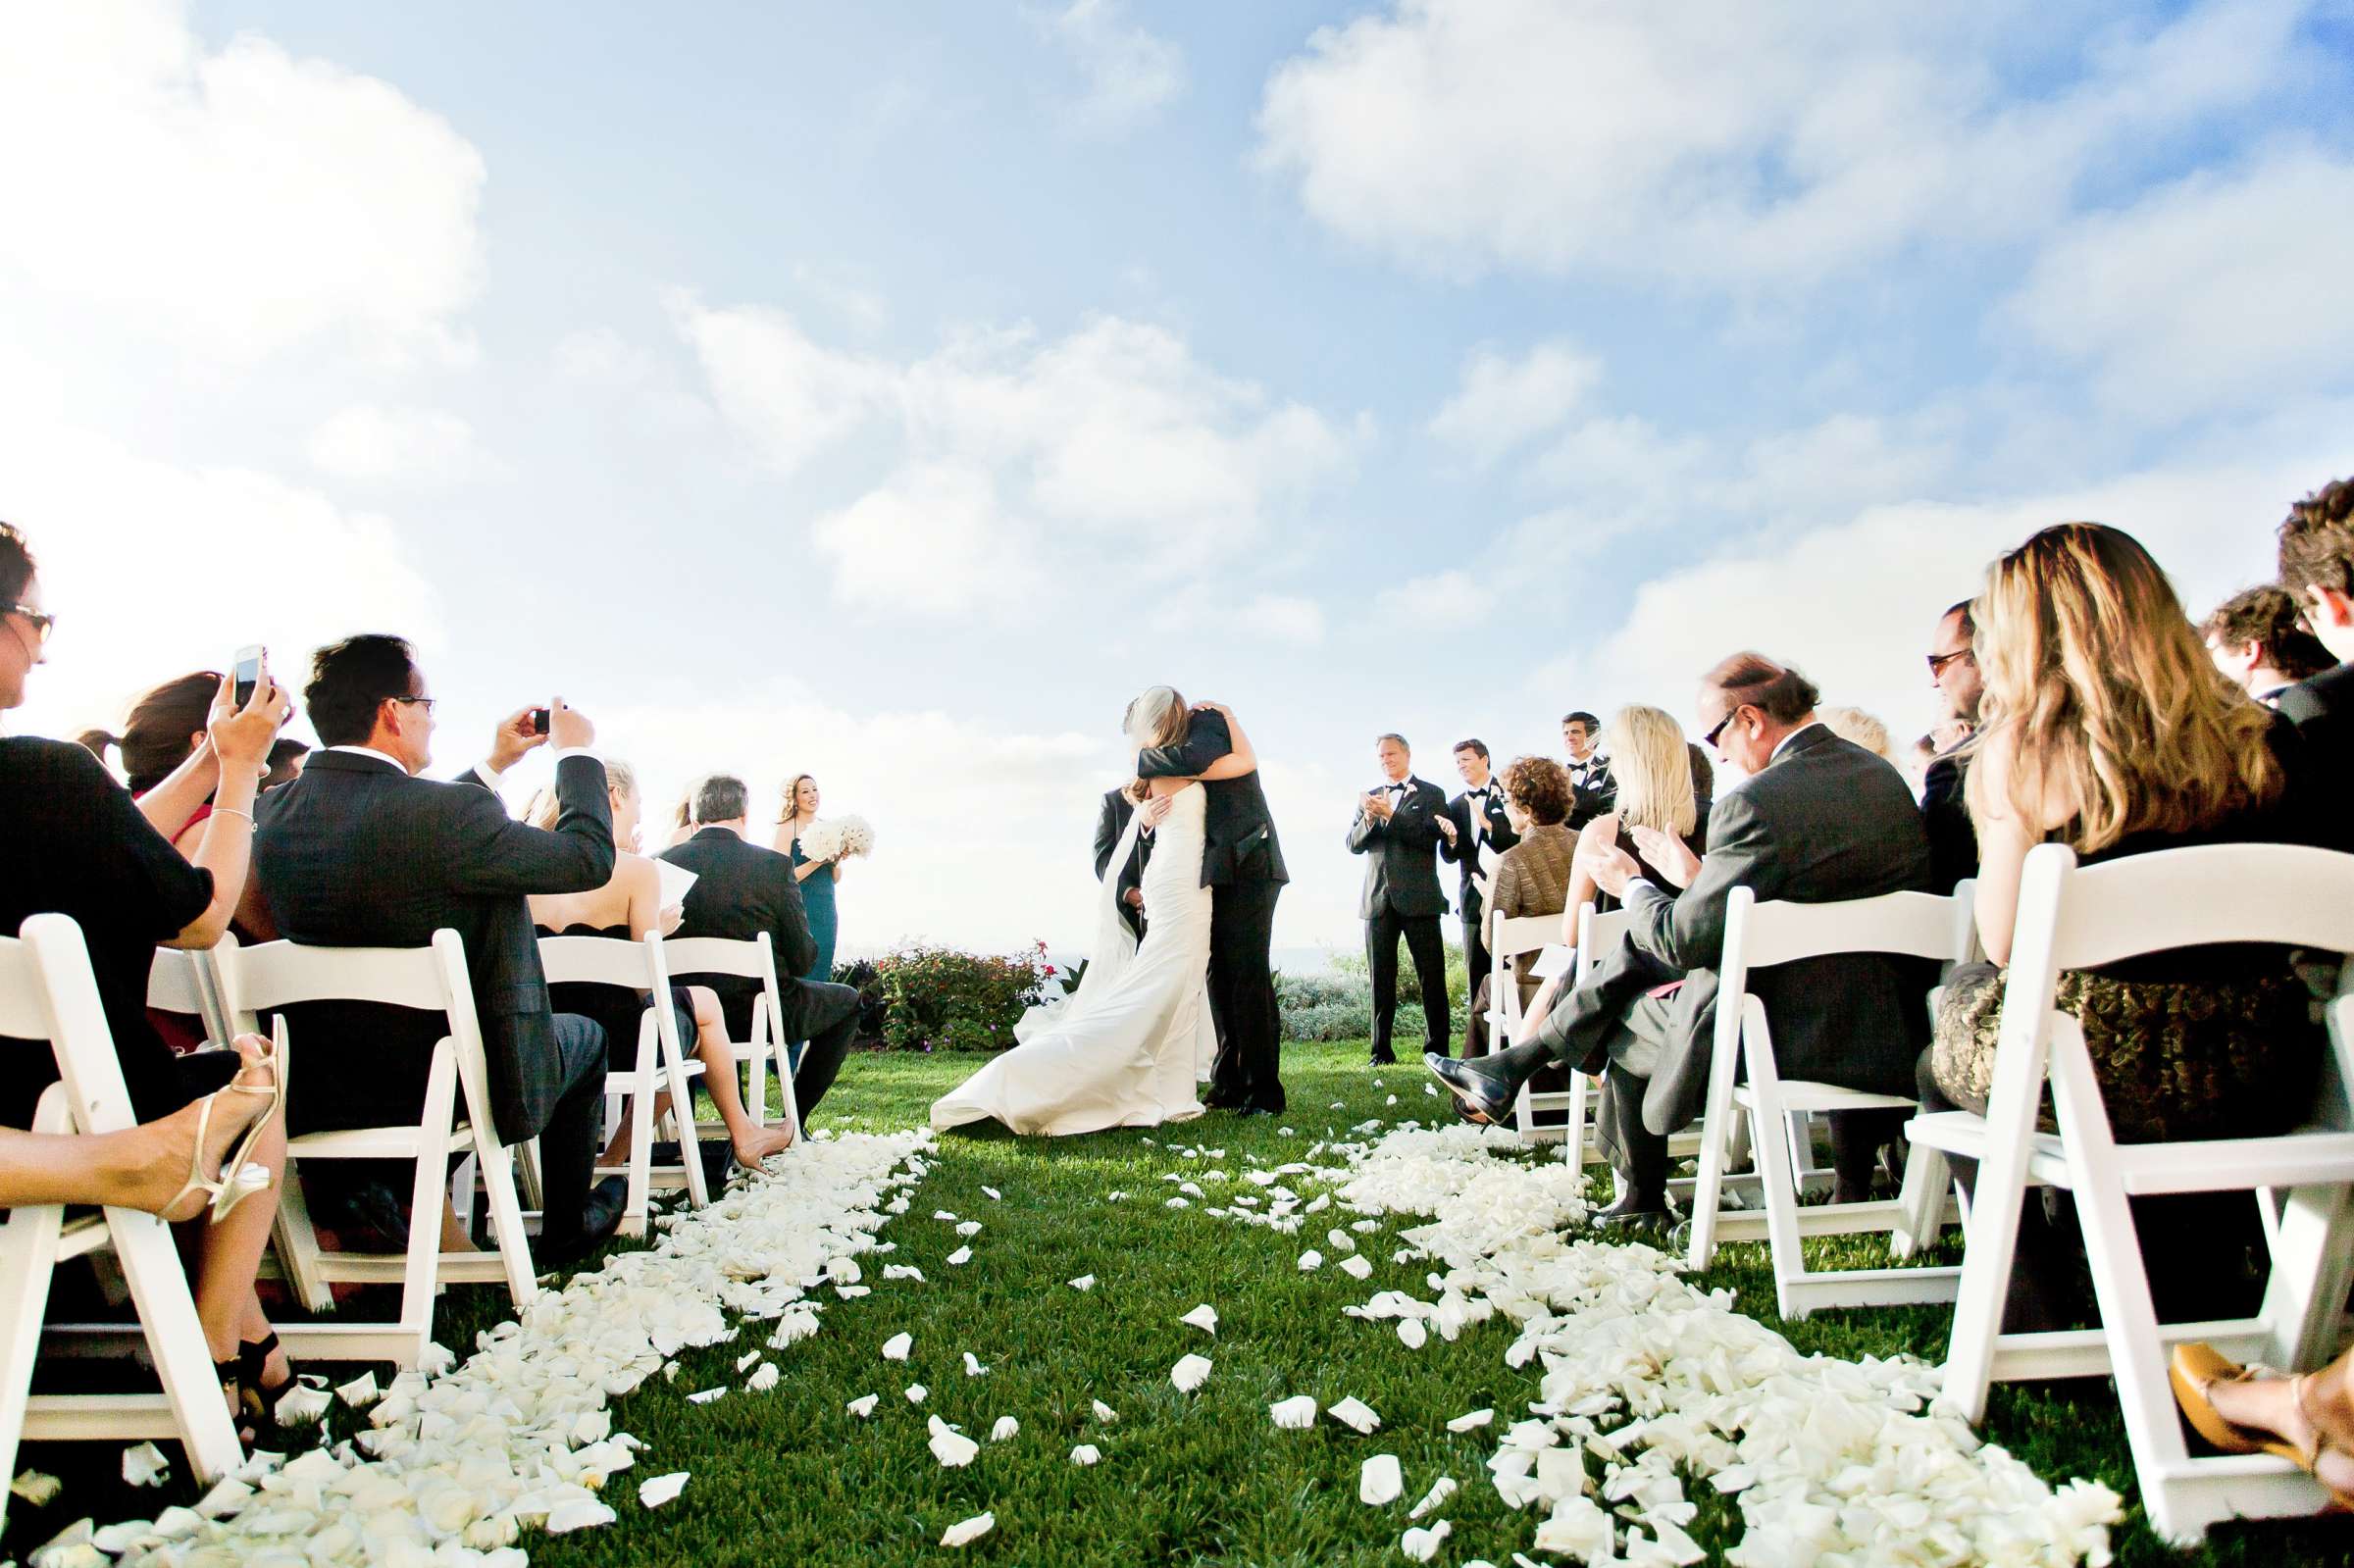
[
  {"x": 621, "y": 783},
  {"x": 2105, "y": 698},
  {"x": 1652, "y": 765},
  {"x": 791, "y": 806}
]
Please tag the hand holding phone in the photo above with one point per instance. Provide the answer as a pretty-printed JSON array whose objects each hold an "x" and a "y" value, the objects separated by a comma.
[
  {"x": 247, "y": 671},
  {"x": 539, "y": 718}
]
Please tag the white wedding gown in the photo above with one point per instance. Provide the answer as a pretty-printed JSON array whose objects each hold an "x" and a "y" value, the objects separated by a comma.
[{"x": 1128, "y": 1048}]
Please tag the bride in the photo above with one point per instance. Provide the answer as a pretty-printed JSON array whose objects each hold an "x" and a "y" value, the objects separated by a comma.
[{"x": 1128, "y": 1047}]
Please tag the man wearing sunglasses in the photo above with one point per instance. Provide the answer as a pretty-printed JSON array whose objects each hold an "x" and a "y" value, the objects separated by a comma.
[{"x": 1954, "y": 672}]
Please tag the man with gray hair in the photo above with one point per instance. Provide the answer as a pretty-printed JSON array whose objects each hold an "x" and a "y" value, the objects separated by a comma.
[
  {"x": 1398, "y": 825},
  {"x": 740, "y": 890},
  {"x": 1820, "y": 820}
]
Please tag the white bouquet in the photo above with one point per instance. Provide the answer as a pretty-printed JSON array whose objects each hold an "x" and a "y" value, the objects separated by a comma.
[{"x": 838, "y": 837}]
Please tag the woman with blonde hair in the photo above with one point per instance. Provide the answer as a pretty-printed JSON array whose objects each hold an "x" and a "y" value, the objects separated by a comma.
[
  {"x": 628, "y": 907},
  {"x": 1853, "y": 723},
  {"x": 817, "y": 877},
  {"x": 2107, "y": 728},
  {"x": 1658, "y": 793}
]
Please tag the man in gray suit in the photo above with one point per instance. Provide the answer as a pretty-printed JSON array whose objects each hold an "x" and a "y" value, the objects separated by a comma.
[
  {"x": 1398, "y": 824},
  {"x": 1820, "y": 819}
]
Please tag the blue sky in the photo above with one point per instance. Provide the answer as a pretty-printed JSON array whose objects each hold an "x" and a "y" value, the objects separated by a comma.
[{"x": 894, "y": 391}]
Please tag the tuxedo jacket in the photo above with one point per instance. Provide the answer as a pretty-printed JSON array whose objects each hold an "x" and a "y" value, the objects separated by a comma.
[
  {"x": 1464, "y": 850},
  {"x": 1593, "y": 790},
  {"x": 1826, "y": 821},
  {"x": 1402, "y": 872},
  {"x": 1953, "y": 836},
  {"x": 356, "y": 854},
  {"x": 1110, "y": 823},
  {"x": 740, "y": 890},
  {"x": 2322, "y": 710},
  {"x": 1239, "y": 842}
]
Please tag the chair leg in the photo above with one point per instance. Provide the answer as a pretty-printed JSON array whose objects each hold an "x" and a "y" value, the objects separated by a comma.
[
  {"x": 296, "y": 1240},
  {"x": 1573, "y": 1130},
  {"x": 2313, "y": 1268},
  {"x": 420, "y": 1270},
  {"x": 1777, "y": 1182},
  {"x": 641, "y": 1131},
  {"x": 1926, "y": 1177},
  {"x": 28, "y": 1255},
  {"x": 158, "y": 1284},
  {"x": 506, "y": 1220},
  {"x": 682, "y": 1114}
]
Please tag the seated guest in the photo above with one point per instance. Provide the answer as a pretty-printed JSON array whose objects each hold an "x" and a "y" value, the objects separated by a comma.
[
  {"x": 1954, "y": 672},
  {"x": 2256, "y": 638},
  {"x": 1533, "y": 877},
  {"x": 1820, "y": 820},
  {"x": 682, "y": 823},
  {"x": 1853, "y": 723},
  {"x": 286, "y": 763},
  {"x": 77, "y": 846},
  {"x": 1704, "y": 776},
  {"x": 2317, "y": 567},
  {"x": 742, "y": 890},
  {"x": 2113, "y": 733},
  {"x": 361, "y": 852},
  {"x": 629, "y": 907},
  {"x": 1918, "y": 757},
  {"x": 1589, "y": 767}
]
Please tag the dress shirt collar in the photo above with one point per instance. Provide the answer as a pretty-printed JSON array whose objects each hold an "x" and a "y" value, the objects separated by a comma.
[
  {"x": 1784, "y": 744},
  {"x": 371, "y": 751}
]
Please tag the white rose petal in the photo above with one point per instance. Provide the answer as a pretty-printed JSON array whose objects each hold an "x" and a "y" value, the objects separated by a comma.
[
  {"x": 1086, "y": 1454},
  {"x": 1084, "y": 1281},
  {"x": 301, "y": 1405},
  {"x": 966, "y": 1532},
  {"x": 35, "y": 1487},
  {"x": 993, "y": 1193},
  {"x": 970, "y": 1228},
  {"x": 360, "y": 1392},
  {"x": 1439, "y": 1490},
  {"x": 144, "y": 1465},
  {"x": 897, "y": 1347},
  {"x": 1411, "y": 1334},
  {"x": 951, "y": 1448},
  {"x": 1310, "y": 1262},
  {"x": 917, "y": 1393},
  {"x": 902, "y": 1270},
  {"x": 1472, "y": 1422},
  {"x": 1295, "y": 1414},
  {"x": 973, "y": 1367},
  {"x": 943, "y": 1216},
  {"x": 1355, "y": 1265},
  {"x": 1379, "y": 1479},
  {"x": 1203, "y": 1317},
  {"x": 705, "y": 1397},
  {"x": 1006, "y": 1430},
  {"x": 961, "y": 1256},
  {"x": 1423, "y": 1545},
  {"x": 655, "y": 1491},
  {"x": 1104, "y": 1413},
  {"x": 1189, "y": 1372},
  {"x": 1355, "y": 1413},
  {"x": 763, "y": 1380},
  {"x": 581, "y": 1513},
  {"x": 1176, "y": 1204},
  {"x": 863, "y": 1406}
]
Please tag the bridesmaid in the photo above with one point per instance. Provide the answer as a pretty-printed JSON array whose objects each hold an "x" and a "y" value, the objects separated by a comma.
[{"x": 817, "y": 877}]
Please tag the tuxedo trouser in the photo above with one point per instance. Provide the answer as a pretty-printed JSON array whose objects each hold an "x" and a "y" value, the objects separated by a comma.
[
  {"x": 1248, "y": 1069},
  {"x": 825, "y": 1015},
  {"x": 569, "y": 1141},
  {"x": 1476, "y": 957},
  {"x": 1429, "y": 951}
]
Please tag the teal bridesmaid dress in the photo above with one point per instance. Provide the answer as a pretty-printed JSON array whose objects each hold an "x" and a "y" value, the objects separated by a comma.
[{"x": 817, "y": 901}]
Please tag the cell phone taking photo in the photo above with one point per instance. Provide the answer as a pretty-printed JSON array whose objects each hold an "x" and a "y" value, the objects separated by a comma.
[
  {"x": 246, "y": 672},
  {"x": 538, "y": 721}
]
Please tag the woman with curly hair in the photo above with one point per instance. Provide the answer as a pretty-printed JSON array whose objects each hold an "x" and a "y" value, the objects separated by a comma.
[
  {"x": 2109, "y": 729},
  {"x": 1532, "y": 878}
]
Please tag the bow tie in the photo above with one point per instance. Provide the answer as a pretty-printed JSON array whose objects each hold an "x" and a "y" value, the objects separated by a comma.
[{"x": 1483, "y": 792}]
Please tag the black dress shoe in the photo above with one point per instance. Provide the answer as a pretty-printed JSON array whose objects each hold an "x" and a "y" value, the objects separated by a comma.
[
  {"x": 1634, "y": 1211},
  {"x": 1480, "y": 1094},
  {"x": 600, "y": 1217},
  {"x": 1254, "y": 1110},
  {"x": 1385, "y": 1058}
]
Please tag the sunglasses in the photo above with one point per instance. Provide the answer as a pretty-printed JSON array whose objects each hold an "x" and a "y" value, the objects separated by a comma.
[
  {"x": 42, "y": 625},
  {"x": 426, "y": 703},
  {"x": 1938, "y": 661},
  {"x": 1710, "y": 740}
]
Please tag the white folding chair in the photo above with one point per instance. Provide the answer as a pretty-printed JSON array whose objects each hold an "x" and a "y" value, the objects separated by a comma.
[
  {"x": 48, "y": 992},
  {"x": 433, "y": 979},
  {"x": 1512, "y": 936},
  {"x": 1594, "y": 931},
  {"x": 183, "y": 981},
  {"x": 2080, "y": 918},
  {"x": 1756, "y": 937},
  {"x": 662, "y": 1062},
  {"x": 752, "y": 958}
]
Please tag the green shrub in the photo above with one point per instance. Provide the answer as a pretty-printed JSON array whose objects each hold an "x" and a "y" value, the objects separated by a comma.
[
  {"x": 938, "y": 998},
  {"x": 1339, "y": 1005}
]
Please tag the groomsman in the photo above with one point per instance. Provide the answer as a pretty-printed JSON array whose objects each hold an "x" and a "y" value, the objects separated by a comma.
[
  {"x": 1110, "y": 823},
  {"x": 1593, "y": 790},
  {"x": 1479, "y": 823},
  {"x": 1399, "y": 824}
]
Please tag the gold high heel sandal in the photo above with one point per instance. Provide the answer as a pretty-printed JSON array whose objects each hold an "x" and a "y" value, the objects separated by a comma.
[{"x": 238, "y": 1177}]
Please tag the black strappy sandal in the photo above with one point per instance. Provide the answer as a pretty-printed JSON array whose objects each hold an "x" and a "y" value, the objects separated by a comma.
[{"x": 256, "y": 1399}]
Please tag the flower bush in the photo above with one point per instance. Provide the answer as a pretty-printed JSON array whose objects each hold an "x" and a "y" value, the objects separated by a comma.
[{"x": 940, "y": 998}]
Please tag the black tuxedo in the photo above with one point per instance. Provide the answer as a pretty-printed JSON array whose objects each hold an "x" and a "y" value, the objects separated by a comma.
[
  {"x": 2322, "y": 710},
  {"x": 1242, "y": 864},
  {"x": 1471, "y": 820},
  {"x": 1110, "y": 823},
  {"x": 740, "y": 890},
  {"x": 1826, "y": 821},
  {"x": 1953, "y": 838},
  {"x": 1403, "y": 898},
  {"x": 356, "y": 854}
]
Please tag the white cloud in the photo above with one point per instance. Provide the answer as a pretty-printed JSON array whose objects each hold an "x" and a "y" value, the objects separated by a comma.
[
  {"x": 1739, "y": 146},
  {"x": 232, "y": 556},
  {"x": 233, "y": 201},
  {"x": 2218, "y": 292},
  {"x": 418, "y": 448},
  {"x": 1444, "y": 603},
  {"x": 1503, "y": 402},
  {"x": 1130, "y": 72},
  {"x": 1005, "y": 452}
]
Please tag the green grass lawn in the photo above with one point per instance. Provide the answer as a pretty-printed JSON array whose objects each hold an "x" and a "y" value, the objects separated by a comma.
[{"x": 791, "y": 1477}]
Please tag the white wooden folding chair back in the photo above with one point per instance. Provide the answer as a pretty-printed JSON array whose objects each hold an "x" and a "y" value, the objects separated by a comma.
[
  {"x": 432, "y": 979},
  {"x": 752, "y": 958},
  {"x": 660, "y": 1063},
  {"x": 2073, "y": 917},
  {"x": 183, "y": 981},
  {"x": 1509, "y": 938},
  {"x": 1597, "y": 932},
  {"x": 1762, "y": 936},
  {"x": 47, "y": 992}
]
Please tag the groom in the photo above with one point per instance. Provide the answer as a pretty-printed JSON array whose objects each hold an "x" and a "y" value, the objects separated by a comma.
[{"x": 1242, "y": 864}]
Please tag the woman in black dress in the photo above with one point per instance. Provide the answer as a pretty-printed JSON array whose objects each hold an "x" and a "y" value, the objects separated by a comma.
[{"x": 79, "y": 845}]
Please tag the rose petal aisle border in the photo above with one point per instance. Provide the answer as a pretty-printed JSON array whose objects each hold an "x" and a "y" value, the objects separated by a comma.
[
  {"x": 458, "y": 1465},
  {"x": 1646, "y": 1374}
]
